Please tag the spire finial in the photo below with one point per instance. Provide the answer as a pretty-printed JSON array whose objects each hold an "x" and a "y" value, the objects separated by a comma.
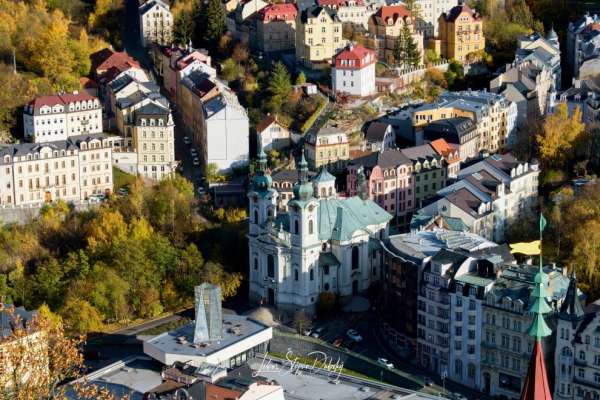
[{"x": 539, "y": 329}]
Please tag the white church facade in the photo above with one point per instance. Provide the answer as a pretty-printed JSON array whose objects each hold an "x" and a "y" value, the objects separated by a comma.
[{"x": 322, "y": 244}]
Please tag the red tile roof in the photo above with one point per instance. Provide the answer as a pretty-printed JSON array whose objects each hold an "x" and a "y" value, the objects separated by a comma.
[
  {"x": 456, "y": 11},
  {"x": 354, "y": 57},
  {"x": 536, "y": 382},
  {"x": 63, "y": 99},
  {"x": 266, "y": 121},
  {"x": 394, "y": 12},
  {"x": 87, "y": 83},
  {"x": 340, "y": 3},
  {"x": 278, "y": 12},
  {"x": 106, "y": 59},
  {"x": 444, "y": 149},
  {"x": 215, "y": 392}
]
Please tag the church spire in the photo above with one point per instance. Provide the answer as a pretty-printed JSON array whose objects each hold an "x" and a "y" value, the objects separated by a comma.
[{"x": 536, "y": 383}]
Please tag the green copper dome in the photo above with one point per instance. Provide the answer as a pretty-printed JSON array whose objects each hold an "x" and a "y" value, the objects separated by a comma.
[
  {"x": 262, "y": 181},
  {"x": 303, "y": 190}
]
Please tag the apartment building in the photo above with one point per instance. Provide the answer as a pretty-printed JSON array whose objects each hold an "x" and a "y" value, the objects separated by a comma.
[
  {"x": 271, "y": 134},
  {"x": 494, "y": 116},
  {"x": 430, "y": 171},
  {"x": 353, "y": 71},
  {"x": 318, "y": 36},
  {"x": 389, "y": 181},
  {"x": 543, "y": 51},
  {"x": 57, "y": 117},
  {"x": 156, "y": 23},
  {"x": 583, "y": 41},
  {"x": 385, "y": 26},
  {"x": 461, "y": 33},
  {"x": 69, "y": 170},
  {"x": 276, "y": 27},
  {"x": 460, "y": 132},
  {"x": 429, "y": 13},
  {"x": 327, "y": 147},
  {"x": 450, "y": 154},
  {"x": 350, "y": 11}
]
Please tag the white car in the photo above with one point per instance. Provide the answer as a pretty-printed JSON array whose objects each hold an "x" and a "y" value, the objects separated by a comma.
[
  {"x": 317, "y": 332},
  {"x": 307, "y": 332},
  {"x": 385, "y": 362},
  {"x": 354, "y": 335},
  {"x": 196, "y": 161},
  {"x": 201, "y": 191},
  {"x": 186, "y": 140},
  {"x": 193, "y": 152}
]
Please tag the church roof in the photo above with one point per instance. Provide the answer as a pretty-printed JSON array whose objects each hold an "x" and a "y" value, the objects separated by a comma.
[
  {"x": 571, "y": 308},
  {"x": 323, "y": 176},
  {"x": 536, "y": 382}
]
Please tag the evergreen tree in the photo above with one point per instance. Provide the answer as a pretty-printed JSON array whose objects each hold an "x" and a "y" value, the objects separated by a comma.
[
  {"x": 412, "y": 55},
  {"x": 280, "y": 84},
  {"x": 301, "y": 78},
  {"x": 215, "y": 23},
  {"x": 184, "y": 27},
  {"x": 399, "y": 50},
  {"x": 200, "y": 18}
]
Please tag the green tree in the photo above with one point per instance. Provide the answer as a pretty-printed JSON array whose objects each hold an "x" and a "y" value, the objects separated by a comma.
[
  {"x": 280, "y": 83},
  {"x": 411, "y": 50},
  {"x": 301, "y": 78},
  {"x": 301, "y": 322},
  {"x": 215, "y": 22},
  {"x": 184, "y": 27},
  {"x": 80, "y": 316}
]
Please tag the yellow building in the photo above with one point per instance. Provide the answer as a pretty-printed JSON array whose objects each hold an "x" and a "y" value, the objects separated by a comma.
[
  {"x": 461, "y": 33},
  {"x": 318, "y": 36},
  {"x": 385, "y": 27},
  {"x": 328, "y": 147}
]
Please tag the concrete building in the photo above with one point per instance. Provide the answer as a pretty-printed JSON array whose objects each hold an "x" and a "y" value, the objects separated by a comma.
[
  {"x": 156, "y": 23},
  {"x": 384, "y": 28},
  {"x": 389, "y": 182},
  {"x": 69, "y": 170},
  {"x": 323, "y": 244},
  {"x": 429, "y": 169},
  {"x": 530, "y": 85},
  {"x": 543, "y": 51},
  {"x": 52, "y": 118},
  {"x": 494, "y": 116},
  {"x": 271, "y": 134},
  {"x": 450, "y": 154},
  {"x": 276, "y": 27},
  {"x": 328, "y": 147},
  {"x": 461, "y": 33},
  {"x": 353, "y": 71},
  {"x": 355, "y": 12},
  {"x": 318, "y": 36},
  {"x": 583, "y": 42},
  {"x": 429, "y": 12},
  {"x": 380, "y": 136},
  {"x": 460, "y": 132}
]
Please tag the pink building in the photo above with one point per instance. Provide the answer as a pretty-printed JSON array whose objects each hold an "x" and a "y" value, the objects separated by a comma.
[{"x": 389, "y": 182}]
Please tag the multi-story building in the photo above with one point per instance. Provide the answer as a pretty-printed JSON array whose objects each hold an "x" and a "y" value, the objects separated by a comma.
[
  {"x": 530, "y": 85},
  {"x": 543, "y": 51},
  {"x": 489, "y": 195},
  {"x": 429, "y": 11},
  {"x": 389, "y": 182},
  {"x": 430, "y": 171},
  {"x": 318, "y": 36},
  {"x": 506, "y": 345},
  {"x": 493, "y": 114},
  {"x": 271, "y": 134},
  {"x": 583, "y": 41},
  {"x": 156, "y": 23},
  {"x": 284, "y": 181},
  {"x": 350, "y": 11},
  {"x": 153, "y": 139},
  {"x": 353, "y": 71},
  {"x": 52, "y": 118},
  {"x": 69, "y": 170},
  {"x": 276, "y": 27},
  {"x": 385, "y": 26},
  {"x": 460, "y": 132},
  {"x": 461, "y": 33},
  {"x": 323, "y": 244},
  {"x": 327, "y": 147},
  {"x": 380, "y": 136},
  {"x": 450, "y": 154}
]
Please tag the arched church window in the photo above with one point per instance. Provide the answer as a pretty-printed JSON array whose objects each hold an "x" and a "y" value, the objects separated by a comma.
[
  {"x": 355, "y": 257},
  {"x": 323, "y": 192},
  {"x": 310, "y": 227},
  {"x": 312, "y": 274},
  {"x": 270, "y": 266},
  {"x": 295, "y": 274},
  {"x": 330, "y": 191},
  {"x": 256, "y": 264},
  {"x": 296, "y": 230},
  {"x": 255, "y": 216}
]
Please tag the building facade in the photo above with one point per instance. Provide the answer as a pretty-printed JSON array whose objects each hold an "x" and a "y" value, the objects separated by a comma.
[
  {"x": 355, "y": 12},
  {"x": 272, "y": 135},
  {"x": 583, "y": 41},
  {"x": 323, "y": 244},
  {"x": 353, "y": 71},
  {"x": 429, "y": 11},
  {"x": 52, "y": 118},
  {"x": 318, "y": 36},
  {"x": 156, "y": 23},
  {"x": 328, "y": 147},
  {"x": 461, "y": 33},
  {"x": 276, "y": 27},
  {"x": 460, "y": 132},
  {"x": 430, "y": 171},
  {"x": 69, "y": 170}
]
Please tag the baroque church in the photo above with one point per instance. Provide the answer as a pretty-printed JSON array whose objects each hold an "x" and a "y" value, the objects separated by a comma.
[{"x": 324, "y": 243}]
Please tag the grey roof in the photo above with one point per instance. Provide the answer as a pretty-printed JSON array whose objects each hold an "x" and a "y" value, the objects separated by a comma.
[
  {"x": 376, "y": 131},
  {"x": 16, "y": 318},
  {"x": 386, "y": 159},
  {"x": 288, "y": 175},
  {"x": 421, "y": 153},
  {"x": 459, "y": 126},
  {"x": 323, "y": 176},
  {"x": 22, "y": 149},
  {"x": 445, "y": 256},
  {"x": 152, "y": 111},
  {"x": 572, "y": 308}
]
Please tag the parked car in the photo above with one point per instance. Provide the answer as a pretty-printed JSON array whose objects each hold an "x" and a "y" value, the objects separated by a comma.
[
  {"x": 317, "y": 333},
  {"x": 457, "y": 396},
  {"x": 123, "y": 191},
  {"x": 338, "y": 342},
  {"x": 354, "y": 335},
  {"x": 307, "y": 332},
  {"x": 186, "y": 140},
  {"x": 196, "y": 161},
  {"x": 193, "y": 152},
  {"x": 201, "y": 191},
  {"x": 385, "y": 362},
  {"x": 428, "y": 381}
]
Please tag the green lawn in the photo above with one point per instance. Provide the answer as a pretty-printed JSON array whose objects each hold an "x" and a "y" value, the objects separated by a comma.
[{"x": 121, "y": 179}]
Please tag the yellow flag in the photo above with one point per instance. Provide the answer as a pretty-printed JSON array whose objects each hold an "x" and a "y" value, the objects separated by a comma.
[{"x": 530, "y": 249}]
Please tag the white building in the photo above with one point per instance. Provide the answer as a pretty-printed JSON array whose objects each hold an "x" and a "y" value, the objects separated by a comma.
[
  {"x": 225, "y": 130},
  {"x": 323, "y": 243},
  {"x": 156, "y": 23},
  {"x": 271, "y": 135},
  {"x": 69, "y": 170},
  {"x": 353, "y": 71},
  {"x": 429, "y": 12},
  {"x": 583, "y": 41},
  {"x": 352, "y": 11},
  {"x": 543, "y": 51},
  {"x": 52, "y": 118}
]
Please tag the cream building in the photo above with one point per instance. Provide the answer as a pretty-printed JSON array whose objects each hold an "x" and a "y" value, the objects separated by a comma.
[
  {"x": 51, "y": 118},
  {"x": 156, "y": 23},
  {"x": 276, "y": 27},
  {"x": 69, "y": 170},
  {"x": 461, "y": 33},
  {"x": 385, "y": 27},
  {"x": 318, "y": 36},
  {"x": 351, "y": 11},
  {"x": 328, "y": 147},
  {"x": 429, "y": 12}
]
